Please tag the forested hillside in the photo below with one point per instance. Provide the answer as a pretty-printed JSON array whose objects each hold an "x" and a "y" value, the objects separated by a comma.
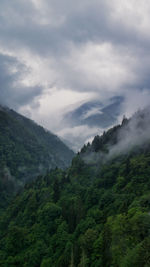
[
  {"x": 94, "y": 214},
  {"x": 26, "y": 150},
  {"x": 132, "y": 135}
]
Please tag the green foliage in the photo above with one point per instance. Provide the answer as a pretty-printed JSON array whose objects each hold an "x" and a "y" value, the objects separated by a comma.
[
  {"x": 26, "y": 150},
  {"x": 85, "y": 216},
  {"x": 69, "y": 219}
]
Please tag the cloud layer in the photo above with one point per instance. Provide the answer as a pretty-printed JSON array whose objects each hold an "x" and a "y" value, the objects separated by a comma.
[{"x": 57, "y": 53}]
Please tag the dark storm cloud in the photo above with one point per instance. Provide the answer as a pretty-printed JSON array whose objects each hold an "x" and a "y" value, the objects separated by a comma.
[
  {"x": 12, "y": 92},
  {"x": 91, "y": 21},
  {"x": 20, "y": 22},
  {"x": 62, "y": 30}
]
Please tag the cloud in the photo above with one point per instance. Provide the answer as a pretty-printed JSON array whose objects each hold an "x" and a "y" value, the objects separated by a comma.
[
  {"x": 13, "y": 92},
  {"x": 132, "y": 134},
  {"x": 52, "y": 52},
  {"x": 132, "y": 15},
  {"x": 92, "y": 111},
  {"x": 52, "y": 106},
  {"x": 99, "y": 67},
  {"x": 132, "y": 103},
  {"x": 75, "y": 137}
]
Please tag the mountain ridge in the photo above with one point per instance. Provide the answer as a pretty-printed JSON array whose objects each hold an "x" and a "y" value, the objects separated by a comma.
[
  {"x": 27, "y": 150},
  {"x": 121, "y": 139}
]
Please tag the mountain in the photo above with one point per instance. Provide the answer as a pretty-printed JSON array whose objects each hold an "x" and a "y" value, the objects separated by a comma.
[
  {"x": 133, "y": 134},
  {"x": 27, "y": 150},
  {"x": 85, "y": 120},
  {"x": 94, "y": 113},
  {"x": 93, "y": 213}
]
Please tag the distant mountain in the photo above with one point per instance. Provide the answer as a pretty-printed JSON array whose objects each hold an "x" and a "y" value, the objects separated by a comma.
[
  {"x": 27, "y": 150},
  {"x": 94, "y": 113},
  {"x": 86, "y": 120}
]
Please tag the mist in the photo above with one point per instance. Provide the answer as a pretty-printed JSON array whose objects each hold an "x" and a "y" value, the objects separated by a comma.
[
  {"x": 131, "y": 134},
  {"x": 134, "y": 132}
]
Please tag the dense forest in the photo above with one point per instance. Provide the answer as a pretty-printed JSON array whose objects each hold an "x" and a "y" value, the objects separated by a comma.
[
  {"x": 96, "y": 213},
  {"x": 26, "y": 150}
]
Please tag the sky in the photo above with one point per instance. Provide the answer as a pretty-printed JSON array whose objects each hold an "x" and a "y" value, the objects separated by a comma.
[{"x": 55, "y": 55}]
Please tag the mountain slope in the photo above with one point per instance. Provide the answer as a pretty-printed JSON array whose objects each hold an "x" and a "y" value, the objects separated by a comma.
[
  {"x": 89, "y": 215},
  {"x": 27, "y": 150},
  {"x": 94, "y": 113},
  {"x": 131, "y": 136},
  {"x": 85, "y": 120}
]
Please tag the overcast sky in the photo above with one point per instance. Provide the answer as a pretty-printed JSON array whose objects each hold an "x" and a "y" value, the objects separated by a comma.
[{"x": 57, "y": 54}]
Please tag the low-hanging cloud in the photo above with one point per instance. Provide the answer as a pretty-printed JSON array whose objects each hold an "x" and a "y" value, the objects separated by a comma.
[{"x": 133, "y": 134}]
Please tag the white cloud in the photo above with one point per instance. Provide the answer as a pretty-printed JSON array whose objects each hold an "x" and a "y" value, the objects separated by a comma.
[
  {"x": 52, "y": 105},
  {"x": 69, "y": 51},
  {"x": 135, "y": 100},
  {"x": 79, "y": 135},
  {"x": 133, "y": 15},
  {"x": 91, "y": 112},
  {"x": 99, "y": 66}
]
